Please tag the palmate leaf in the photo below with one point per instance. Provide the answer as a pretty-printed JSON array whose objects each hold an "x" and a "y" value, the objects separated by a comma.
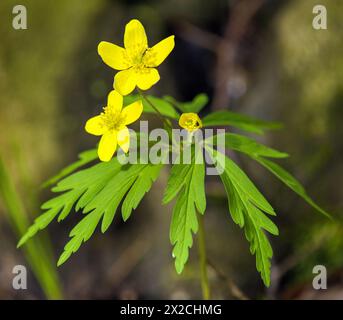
[
  {"x": 97, "y": 191},
  {"x": 259, "y": 152},
  {"x": 247, "y": 207},
  {"x": 83, "y": 183},
  {"x": 246, "y": 204},
  {"x": 186, "y": 181},
  {"x": 228, "y": 118}
]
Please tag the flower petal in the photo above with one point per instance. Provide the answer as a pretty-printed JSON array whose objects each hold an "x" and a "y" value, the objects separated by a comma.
[
  {"x": 123, "y": 137},
  {"x": 125, "y": 81},
  {"x": 159, "y": 52},
  {"x": 132, "y": 112},
  {"x": 115, "y": 101},
  {"x": 95, "y": 126},
  {"x": 107, "y": 146},
  {"x": 113, "y": 55},
  {"x": 147, "y": 78},
  {"x": 135, "y": 37}
]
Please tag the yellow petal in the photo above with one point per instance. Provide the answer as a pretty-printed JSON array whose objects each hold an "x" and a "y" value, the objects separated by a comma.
[
  {"x": 135, "y": 37},
  {"x": 123, "y": 138},
  {"x": 95, "y": 126},
  {"x": 113, "y": 55},
  {"x": 115, "y": 101},
  {"x": 125, "y": 81},
  {"x": 159, "y": 52},
  {"x": 147, "y": 78},
  {"x": 132, "y": 112},
  {"x": 107, "y": 146},
  {"x": 190, "y": 121}
]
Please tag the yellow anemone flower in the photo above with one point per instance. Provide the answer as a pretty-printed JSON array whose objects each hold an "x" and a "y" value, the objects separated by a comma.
[
  {"x": 190, "y": 121},
  {"x": 136, "y": 61},
  {"x": 112, "y": 125}
]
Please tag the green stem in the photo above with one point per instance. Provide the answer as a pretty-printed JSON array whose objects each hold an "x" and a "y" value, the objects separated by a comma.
[
  {"x": 205, "y": 286},
  {"x": 163, "y": 119}
]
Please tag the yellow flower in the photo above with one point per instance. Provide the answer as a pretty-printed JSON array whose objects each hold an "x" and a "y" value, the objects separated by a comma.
[
  {"x": 190, "y": 121},
  {"x": 112, "y": 125},
  {"x": 136, "y": 61}
]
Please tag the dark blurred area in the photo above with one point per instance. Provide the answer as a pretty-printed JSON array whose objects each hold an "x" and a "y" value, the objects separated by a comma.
[{"x": 259, "y": 57}]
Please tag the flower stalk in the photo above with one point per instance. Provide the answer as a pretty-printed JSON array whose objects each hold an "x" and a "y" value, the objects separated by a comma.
[
  {"x": 205, "y": 286},
  {"x": 159, "y": 114}
]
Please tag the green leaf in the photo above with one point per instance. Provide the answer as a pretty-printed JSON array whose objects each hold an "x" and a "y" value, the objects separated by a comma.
[
  {"x": 84, "y": 158},
  {"x": 228, "y": 118},
  {"x": 257, "y": 151},
  {"x": 246, "y": 209},
  {"x": 291, "y": 182},
  {"x": 196, "y": 105},
  {"x": 255, "y": 221},
  {"x": 246, "y": 187},
  {"x": 187, "y": 181},
  {"x": 163, "y": 106},
  {"x": 234, "y": 201},
  {"x": 259, "y": 245},
  {"x": 78, "y": 185},
  {"x": 249, "y": 146},
  {"x": 81, "y": 233},
  {"x": 175, "y": 182},
  {"x": 97, "y": 191},
  {"x": 104, "y": 204},
  {"x": 140, "y": 187},
  {"x": 108, "y": 199}
]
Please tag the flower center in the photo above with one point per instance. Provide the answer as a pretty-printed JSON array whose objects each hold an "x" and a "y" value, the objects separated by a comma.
[
  {"x": 140, "y": 57},
  {"x": 191, "y": 124},
  {"x": 149, "y": 57},
  {"x": 113, "y": 120},
  {"x": 135, "y": 53}
]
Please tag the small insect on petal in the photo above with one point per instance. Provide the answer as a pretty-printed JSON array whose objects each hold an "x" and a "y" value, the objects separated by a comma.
[
  {"x": 159, "y": 52},
  {"x": 136, "y": 62}
]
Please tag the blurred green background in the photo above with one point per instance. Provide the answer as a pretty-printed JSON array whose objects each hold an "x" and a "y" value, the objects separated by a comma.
[{"x": 259, "y": 57}]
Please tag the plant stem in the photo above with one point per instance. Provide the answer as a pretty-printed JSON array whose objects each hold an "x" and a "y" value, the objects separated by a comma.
[
  {"x": 163, "y": 119},
  {"x": 205, "y": 286}
]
